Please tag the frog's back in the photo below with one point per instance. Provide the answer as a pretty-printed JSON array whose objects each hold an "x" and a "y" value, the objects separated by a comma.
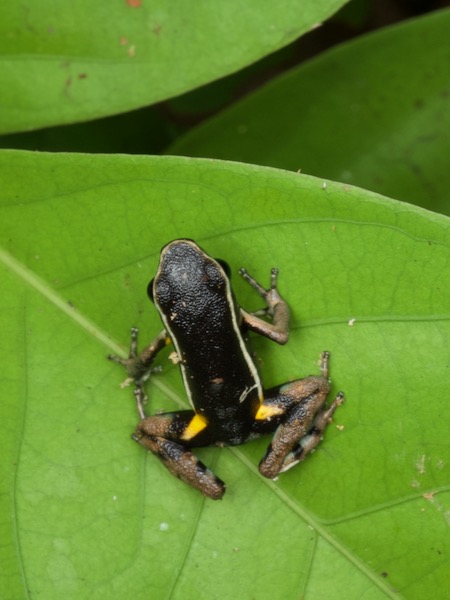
[{"x": 196, "y": 303}]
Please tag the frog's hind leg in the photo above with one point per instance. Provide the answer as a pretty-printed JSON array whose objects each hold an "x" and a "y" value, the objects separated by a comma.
[
  {"x": 297, "y": 413},
  {"x": 309, "y": 441},
  {"x": 166, "y": 436}
]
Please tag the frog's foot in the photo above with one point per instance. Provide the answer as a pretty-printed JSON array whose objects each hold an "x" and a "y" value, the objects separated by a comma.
[
  {"x": 138, "y": 366},
  {"x": 141, "y": 399}
]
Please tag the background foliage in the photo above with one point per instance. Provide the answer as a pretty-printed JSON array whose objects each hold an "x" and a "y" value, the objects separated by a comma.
[{"x": 85, "y": 513}]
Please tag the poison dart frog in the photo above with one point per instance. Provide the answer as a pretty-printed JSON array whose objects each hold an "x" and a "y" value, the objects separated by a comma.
[{"x": 208, "y": 329}]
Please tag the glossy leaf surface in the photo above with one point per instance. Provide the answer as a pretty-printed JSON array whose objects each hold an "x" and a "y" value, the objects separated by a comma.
[{"x": 87, "y": 514}]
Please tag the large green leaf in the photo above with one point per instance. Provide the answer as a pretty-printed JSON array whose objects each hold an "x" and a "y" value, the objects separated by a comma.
[
  {"x": 87, "y": 514},
  {"x": 63, "y": 62},
  {"x": 373, "y": 112}
]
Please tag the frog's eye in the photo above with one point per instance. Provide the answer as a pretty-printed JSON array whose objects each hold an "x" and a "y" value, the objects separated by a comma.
[
  {"x": 150, "y": 290},
  {"x": 225, "y": 266}
]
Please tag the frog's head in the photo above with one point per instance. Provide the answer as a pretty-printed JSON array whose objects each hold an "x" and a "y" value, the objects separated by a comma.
[{"x": 187, "y": 279}]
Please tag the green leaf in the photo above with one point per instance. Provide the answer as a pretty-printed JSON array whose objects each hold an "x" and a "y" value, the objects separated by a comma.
[
  {"x": 373, "y": 112},
  {"x": 87, "y": 514},
  {"x": 63, "y": 62}
]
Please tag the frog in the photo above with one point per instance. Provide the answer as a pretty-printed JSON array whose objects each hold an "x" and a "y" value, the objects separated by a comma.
[{"x": 209, "y": 331}]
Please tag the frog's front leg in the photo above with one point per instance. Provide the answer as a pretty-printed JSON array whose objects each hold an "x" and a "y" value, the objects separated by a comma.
[
  {"x": 298, "y": 410},
  {"x": 167, "y": 437},
  {"x": 138, "y": 366},
  {"x": 277, "y": 309}
]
